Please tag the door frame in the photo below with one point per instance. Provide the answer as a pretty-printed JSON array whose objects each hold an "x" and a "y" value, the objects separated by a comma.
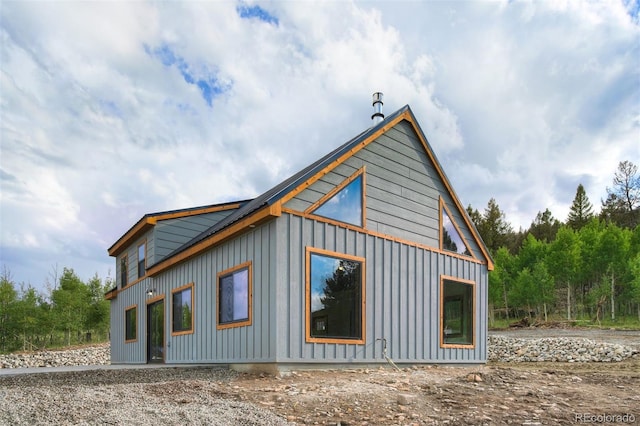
[{"x": 150, "y": 302}]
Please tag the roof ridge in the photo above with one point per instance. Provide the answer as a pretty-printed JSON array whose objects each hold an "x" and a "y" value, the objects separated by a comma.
[{"x": 273, "y": 194}]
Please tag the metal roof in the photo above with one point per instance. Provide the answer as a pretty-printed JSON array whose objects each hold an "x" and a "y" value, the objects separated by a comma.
[{"x": 277, "y": 192}]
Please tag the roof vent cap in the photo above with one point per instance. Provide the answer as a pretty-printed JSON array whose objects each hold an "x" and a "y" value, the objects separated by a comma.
[{"x": 377, "y": 116}]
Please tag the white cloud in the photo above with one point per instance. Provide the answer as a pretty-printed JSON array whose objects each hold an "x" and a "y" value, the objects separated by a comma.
[{"x": 521, "y": 101}]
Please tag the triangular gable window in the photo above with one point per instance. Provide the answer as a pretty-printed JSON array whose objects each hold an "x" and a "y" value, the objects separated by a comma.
[
  {"x": 451, "y": 238},
  {"x": 344, "y": 204}
]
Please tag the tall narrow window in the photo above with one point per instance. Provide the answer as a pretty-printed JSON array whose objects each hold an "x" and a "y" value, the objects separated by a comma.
[
  {"x": 131, "y": 324},
  {"x": 457, "y": 312},
  {"x": 182, "y": 310},
  {"x": 234, "y": 296},
  {"x": 345, "y": 205},
  {"x": 124, "y": 272},
  {"x": 451, "y": 238},
  {"x": 142, "y": 255},
  {"x": 335, "y": 297}
]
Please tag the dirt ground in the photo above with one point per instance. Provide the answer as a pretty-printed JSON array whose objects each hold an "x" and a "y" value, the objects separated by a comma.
[
  {"x": 496, "y": 393},
  {"x": 526, "y": 393}
]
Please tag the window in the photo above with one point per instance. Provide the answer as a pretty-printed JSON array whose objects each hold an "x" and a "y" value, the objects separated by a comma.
[
  {"x": 182, "y": 310},
  {"x": 450, "y": 238},
  {"x": 335, "y": 297},
  {"x": 142, "y": 254},
  {"x": 457, "y": 311},
  {"x": 234, "y": 296},
  {"x": 124, "y": 272},
  {"x": 131, "y": 324},
  {"x": 344, "y": 203}
]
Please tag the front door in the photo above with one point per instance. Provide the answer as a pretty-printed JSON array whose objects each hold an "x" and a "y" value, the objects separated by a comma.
[{"x": 155, "y": 332}]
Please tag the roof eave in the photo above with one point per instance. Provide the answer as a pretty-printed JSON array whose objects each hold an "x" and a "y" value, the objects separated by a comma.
[
  {"x": 149, "y": 220},
  {"x": 254, "y": 219}
]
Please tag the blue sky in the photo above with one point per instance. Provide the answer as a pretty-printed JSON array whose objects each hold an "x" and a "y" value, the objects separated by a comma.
[{"x": 113, "y": 110}]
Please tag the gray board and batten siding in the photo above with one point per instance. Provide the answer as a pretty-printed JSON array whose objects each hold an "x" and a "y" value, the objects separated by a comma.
[
  {"x": 402, "y": 200},
  {"x": 165, "y": 237},
  {"x": 402, "y": 297},
  {"x": 403, "y": 270},
  {"x": 402, "y": 190},
  {"x": 173, "y": 233},
  {"x": 254, "y": 344}
]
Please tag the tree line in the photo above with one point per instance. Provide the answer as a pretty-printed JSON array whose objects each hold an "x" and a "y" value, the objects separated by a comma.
[
  {"x": 73, "y": 312},
  {"x": 587, "y": 267}
]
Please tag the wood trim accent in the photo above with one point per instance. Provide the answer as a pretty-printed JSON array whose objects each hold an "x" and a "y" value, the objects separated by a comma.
[
  {"x": 111, "y": 294},
  {"x": 133, "y": 234},
  {"x": 381, "y": 235},
  {"x": 455, "y": 225},
  {"x": 155, "y": 299},
  {"x": 127, "y": 309},
  {"x": 149, "y": 221},
  {"x": 246, "y": 265},
  {"x": 307, "y": 315},
  {"x": 258, "y": 217},
  {"x": 406, "y": 116},
  {"x": 472, "y": 283},
  {"x": 179, "y": 290}
]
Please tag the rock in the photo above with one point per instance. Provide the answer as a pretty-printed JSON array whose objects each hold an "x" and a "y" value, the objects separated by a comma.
[
  {"x": 92, "y": 355},
  {"x": 558, "y": 349},
  {"x": 406, "y": 399}
]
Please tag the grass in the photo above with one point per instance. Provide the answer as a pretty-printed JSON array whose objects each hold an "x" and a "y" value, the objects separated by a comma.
[{"x": 622, "y": 323}]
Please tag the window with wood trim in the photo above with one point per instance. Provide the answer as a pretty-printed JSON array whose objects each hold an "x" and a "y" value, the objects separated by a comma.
[
  {"x": 335, "y": 293},
  {"x": 234, "y": 296},
  {"x": 345, "y": 203},
  {"x": 450, "y": 237},
  {"x": 182, "y": 310},
  {"x": 142, "y": 259},
  {"x": 124, "y": 271},
  {"x": 457, "y": 312},
  {"x": 131, "y": 324}
]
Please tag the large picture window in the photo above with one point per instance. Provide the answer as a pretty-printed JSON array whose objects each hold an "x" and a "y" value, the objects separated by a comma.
[
  {"x": 131, "y": 324},
  {"x": 457, "y": 312},
  {"x": 182, "y": 310},
  {"x": 234, "y": 296},
  {"x": 335, "y": 297}
]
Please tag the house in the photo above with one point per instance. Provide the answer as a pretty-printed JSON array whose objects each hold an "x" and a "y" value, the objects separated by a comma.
[{"x": 366, "y": 250}]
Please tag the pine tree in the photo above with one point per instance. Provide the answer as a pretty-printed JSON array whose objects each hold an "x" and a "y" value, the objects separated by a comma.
[
  {"x": 545, "y": 226},
  {"x": 581, "y": 210},
  {"x": 494, "y": 229}
]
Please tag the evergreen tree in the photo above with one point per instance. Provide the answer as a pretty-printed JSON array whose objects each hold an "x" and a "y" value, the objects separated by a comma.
[
  {"x": 475, "y": 216},
  {"x": 581, "y": 210},
  {"x": 494, "y": 228},
  {"x": 545, "y": 226}
]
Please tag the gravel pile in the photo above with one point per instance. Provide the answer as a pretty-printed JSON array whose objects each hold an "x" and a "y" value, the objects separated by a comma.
[
  {"x": 556, "y": 349},
  {"x": 91, "y": 355},
  {"x": 163, "y": 396}
]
